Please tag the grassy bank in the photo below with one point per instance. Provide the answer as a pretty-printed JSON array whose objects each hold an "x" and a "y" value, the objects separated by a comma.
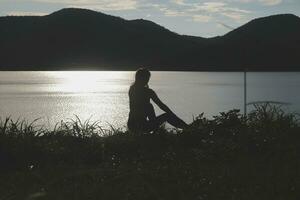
[{"x": 227, "y": 157}]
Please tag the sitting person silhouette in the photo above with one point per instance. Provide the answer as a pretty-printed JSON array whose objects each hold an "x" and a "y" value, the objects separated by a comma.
[{"x": 142, "y": 116}]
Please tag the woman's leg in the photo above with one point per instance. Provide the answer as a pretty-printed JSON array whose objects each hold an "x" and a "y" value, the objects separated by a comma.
[
  {"x": 166, "y": 117},
  {"x": 151, "y": 112},
  {"x": 176, "y": 121}
]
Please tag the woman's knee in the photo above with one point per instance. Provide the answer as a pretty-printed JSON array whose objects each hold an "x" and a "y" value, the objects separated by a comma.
[{"x": 164, "y": 117}]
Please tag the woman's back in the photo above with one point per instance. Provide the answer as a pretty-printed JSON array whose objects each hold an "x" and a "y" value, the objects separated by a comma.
[{"x": 139, "y": 102}]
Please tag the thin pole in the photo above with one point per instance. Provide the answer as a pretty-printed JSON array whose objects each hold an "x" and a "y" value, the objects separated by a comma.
[{"x": 245, "y": 92}]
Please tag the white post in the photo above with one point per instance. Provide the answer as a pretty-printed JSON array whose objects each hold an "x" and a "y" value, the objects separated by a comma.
[{"x": 245, "y": 92}]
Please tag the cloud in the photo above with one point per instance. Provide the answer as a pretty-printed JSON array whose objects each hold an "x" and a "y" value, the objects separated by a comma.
[
  {"x": 233, "y": 15},
  {"x": 209, "y": 6},
  {"x": 105, "y": 5},
  {"x": 263, "y": 2},
  {"x": 177, "y": 12},
  {"x": 206, "y": 11},
  {"x": 173, "y": 13},
  {"x": 179, "y": 2},
  {"x": 217, "y": 7},
  {"x": 199, "y": 11},
  {"x": 24, "y": 13},
  {"x": 226, "y": 26},
  {"x": 201, "y": 18},
  {"x": 271, "y": 2}
]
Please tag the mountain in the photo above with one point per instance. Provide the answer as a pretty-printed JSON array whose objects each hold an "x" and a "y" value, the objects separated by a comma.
[
  {"x": 84, "y": 39},
  {"x": 269, "y": 42}
]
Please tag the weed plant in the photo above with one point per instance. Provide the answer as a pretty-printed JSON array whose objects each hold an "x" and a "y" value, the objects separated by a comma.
[{"x": 230, "y": 156}]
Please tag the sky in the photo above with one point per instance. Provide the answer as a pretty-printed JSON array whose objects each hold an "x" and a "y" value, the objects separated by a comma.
[{"x": 189, "y": 17}]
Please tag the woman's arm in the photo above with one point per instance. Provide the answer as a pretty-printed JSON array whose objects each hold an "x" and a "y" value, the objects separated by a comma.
[
  {"x": 172, "y": 118},
  {"x": 158, "y": 102}
]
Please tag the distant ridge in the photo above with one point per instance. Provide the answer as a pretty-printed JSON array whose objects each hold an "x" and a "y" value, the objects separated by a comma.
[
  {"x": 283, "y": 25},
  {"x": 83, "y": 39}
]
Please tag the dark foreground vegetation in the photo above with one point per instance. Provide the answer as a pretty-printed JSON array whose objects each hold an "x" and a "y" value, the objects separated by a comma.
[{"x": 227, "y": 157}]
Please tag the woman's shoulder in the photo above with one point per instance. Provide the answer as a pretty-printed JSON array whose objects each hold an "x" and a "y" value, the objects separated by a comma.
[
  {"x": 140, "y": 89},
  {"x": 150, "y": 91}
]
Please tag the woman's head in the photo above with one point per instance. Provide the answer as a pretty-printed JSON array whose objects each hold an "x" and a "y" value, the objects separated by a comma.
[{"x": 142, "y": 76}]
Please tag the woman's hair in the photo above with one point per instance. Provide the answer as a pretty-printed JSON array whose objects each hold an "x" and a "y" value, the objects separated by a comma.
[{"x": 142, "y": 76}]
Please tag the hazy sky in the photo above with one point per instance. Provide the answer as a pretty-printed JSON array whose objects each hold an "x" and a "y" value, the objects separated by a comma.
[{"x": 191, "y": 17}]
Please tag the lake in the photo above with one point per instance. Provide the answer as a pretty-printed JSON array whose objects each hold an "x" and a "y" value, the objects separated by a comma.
[{"x": 102, "y": 95}]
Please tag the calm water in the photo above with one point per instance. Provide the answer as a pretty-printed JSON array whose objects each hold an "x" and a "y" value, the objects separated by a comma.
[{"x": 56, "y": 96}]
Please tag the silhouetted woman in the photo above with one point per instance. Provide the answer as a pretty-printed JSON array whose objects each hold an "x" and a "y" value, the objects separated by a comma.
[{"x": 142, "y": 117}]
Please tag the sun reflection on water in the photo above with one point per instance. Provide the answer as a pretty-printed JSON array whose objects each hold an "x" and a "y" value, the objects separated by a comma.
[
  {"x": 88, "y": 82},
  {"x": 77, "y": 82},
  {"x": 101, "y": 95}
]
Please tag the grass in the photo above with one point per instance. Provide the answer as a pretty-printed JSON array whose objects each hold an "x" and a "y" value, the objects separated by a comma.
[{"x": 228, "y": 157}]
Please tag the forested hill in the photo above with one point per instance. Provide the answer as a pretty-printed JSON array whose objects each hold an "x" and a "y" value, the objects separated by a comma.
[{"x": 84, "y": 39}]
